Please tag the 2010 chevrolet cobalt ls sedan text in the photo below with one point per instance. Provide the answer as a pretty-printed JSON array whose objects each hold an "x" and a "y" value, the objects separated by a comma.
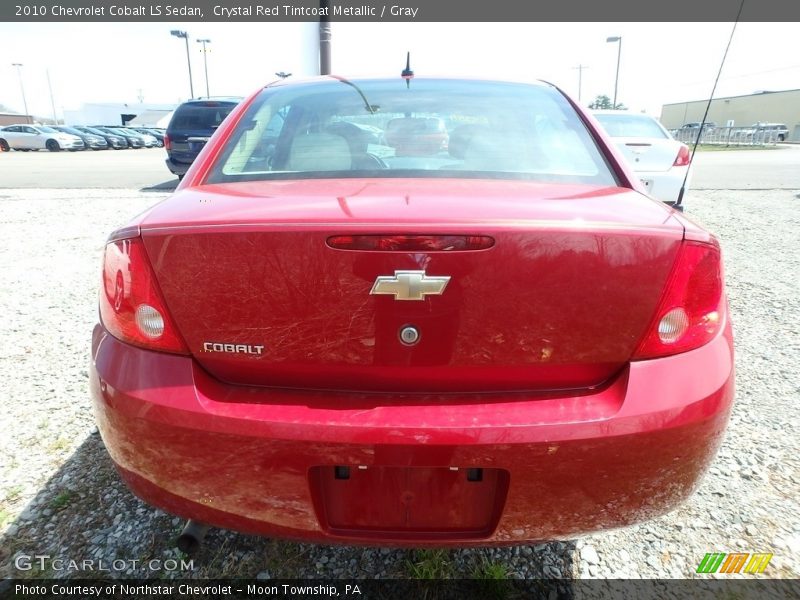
[{"x": 436, "y": 314}]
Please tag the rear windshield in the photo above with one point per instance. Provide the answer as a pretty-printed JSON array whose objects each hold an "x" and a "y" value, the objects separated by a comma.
[
  {"x": 200, "y": 116},
  {"x": 431, "y": 128},
  {"x": 636, "y": 126}
]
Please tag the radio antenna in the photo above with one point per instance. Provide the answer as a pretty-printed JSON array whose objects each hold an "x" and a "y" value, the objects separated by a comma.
[
  {"x": 407, "y": 73},
  {"x": 678, "y": 204}
]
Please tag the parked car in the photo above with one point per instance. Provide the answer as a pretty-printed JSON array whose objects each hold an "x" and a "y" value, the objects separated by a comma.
[
  {"x": 771, "y": 132},
  {"x": 155, "y": 133},
  {"x": 134, "y": 139},
  {"x": 117, "y": 142},
  {"x": 150, "y": 140},
  {"x": 659, "y": 160},
  {"x": 708, "y": 125},
  {"x": 494, "y": 341},
  {"x": 90, "y": 140},
  {"x": 37, "y": 137},
  {"x": 191, "y": 126}
]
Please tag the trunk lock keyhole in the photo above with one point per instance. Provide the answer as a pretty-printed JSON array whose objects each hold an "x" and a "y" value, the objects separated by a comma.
[{"x": 409, "y": 335}]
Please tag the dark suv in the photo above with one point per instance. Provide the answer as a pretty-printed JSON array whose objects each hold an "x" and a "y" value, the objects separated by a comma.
[{"x": 191, "y": 126}]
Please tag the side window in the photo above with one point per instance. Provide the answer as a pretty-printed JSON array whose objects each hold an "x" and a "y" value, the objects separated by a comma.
[
  {"x": 30, "y": 130},
  {"x": 254, "y": 150},
  {"x": 556, "y": 141}
]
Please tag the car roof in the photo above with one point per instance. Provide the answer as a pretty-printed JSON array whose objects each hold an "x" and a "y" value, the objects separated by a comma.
[
  {"x": 326, "y": 79},
  {"x": 235, "y": 99}
]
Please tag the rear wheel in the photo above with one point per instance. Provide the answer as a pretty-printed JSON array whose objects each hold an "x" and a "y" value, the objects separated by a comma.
[
  {"x": 52, "y": 145},
  {"x": 4, "y": 147},
  {"x": 781, "y": 137}
]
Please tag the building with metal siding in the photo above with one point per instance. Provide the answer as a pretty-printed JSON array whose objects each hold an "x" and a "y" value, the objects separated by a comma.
[
  {"x": 763, "y": 107},
  {"x": 113, "y": 113},
  {"x": 14, "y": 119}
]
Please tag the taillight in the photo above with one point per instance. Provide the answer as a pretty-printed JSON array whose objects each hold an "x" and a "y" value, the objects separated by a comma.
[
  {"x": 167, "y": 142},
  {"x": 692, "y": 309},
  {"x": 131, "y": 306},
  {"x": 683, "y": 158}
]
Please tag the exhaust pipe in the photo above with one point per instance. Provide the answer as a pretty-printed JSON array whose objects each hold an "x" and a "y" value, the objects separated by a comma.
[{"x": 192, "y": 536}]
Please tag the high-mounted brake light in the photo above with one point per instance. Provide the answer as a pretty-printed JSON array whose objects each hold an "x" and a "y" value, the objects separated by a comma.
[
  {"x": 684, "y": 157},
  {"x": 411, "y": 243},
  {"x": 692, "y": 308},
  {"x": 131, "y": 306}
]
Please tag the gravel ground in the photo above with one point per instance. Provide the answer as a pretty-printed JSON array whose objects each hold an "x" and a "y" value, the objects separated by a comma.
[{"x": 60, "y": 496}]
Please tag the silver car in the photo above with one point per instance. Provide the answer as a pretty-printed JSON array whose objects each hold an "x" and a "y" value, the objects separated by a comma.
[
  {"x": 37, "y": 137},
  {"x": 660, "y": 161}
]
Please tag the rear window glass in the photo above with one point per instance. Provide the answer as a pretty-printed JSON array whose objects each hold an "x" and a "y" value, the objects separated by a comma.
[
  {"x": 200, "y": 116},
  {"x": 624, "y": 125},
  {"x": 432, "y": 128}
]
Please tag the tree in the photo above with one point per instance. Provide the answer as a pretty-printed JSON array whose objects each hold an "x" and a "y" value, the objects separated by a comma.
[{"x": 603, "y": 102}]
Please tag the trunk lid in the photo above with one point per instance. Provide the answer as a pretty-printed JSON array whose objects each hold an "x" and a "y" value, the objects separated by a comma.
[
  {"x": 649, "y": 154},
  {"x": 558, "y": 302}
]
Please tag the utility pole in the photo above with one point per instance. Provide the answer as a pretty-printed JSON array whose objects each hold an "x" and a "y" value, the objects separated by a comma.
[
  {"x": 324, "y": 39},
  {"x": 22, "y": 88},
  {"x": 580, "y": 69},
  {"x": 205, "y": 63},
  {"x": 52, "y": 102}
]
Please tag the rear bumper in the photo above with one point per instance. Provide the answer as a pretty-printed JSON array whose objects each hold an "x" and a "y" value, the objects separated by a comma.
[
  {"x": 177, "y": 168},
  {"x": 262, "y": 461},
  {"x": 665, "y": 185}
]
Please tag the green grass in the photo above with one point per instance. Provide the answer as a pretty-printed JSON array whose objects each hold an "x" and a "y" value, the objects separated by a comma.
[
  {"x": 430, "y": 564},
  {"x": 14, "y": 493},
  {"x": 62, "y": 500},
  {"x": 494, "y": 579},
  {"x": 59, "y": 445},
  {"x": 487, "y": 569}
]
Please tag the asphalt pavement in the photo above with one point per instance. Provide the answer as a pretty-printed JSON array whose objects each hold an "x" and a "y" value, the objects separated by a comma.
[
  {"x": 144, "y": 169},
  {"x": 139, "y": 169}
]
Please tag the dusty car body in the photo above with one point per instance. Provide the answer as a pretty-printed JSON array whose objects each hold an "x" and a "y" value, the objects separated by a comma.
[{"x": 487, "y": 337}]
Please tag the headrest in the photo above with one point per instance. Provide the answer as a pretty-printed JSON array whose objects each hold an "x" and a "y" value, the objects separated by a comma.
[
  {"x": 411, "y": 136},
  {"x": 319, "y": 152}
]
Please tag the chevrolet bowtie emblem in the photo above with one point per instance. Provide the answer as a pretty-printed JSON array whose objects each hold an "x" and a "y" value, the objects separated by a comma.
[{"x": 410, "y": 285}]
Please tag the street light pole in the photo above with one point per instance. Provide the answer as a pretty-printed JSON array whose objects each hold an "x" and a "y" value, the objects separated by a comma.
[
  {"x": 580, "y": 69},
  {"x": 182, "y": 34},
  {"x": 22, "y": 89},
  {"x": 617, "y": 38},
  {"x": 52, "y": 101},
  {"x": 205, "y": 63}
]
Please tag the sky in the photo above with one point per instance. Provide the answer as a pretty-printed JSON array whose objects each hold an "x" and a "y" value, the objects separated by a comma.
[{"x": 660, "y": 62}]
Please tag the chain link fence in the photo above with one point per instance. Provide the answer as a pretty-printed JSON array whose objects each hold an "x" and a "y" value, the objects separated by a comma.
[{"x": 731, "y": 136}]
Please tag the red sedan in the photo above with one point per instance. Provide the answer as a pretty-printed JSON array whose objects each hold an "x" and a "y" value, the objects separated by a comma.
[{"x": 338, "y": 331}]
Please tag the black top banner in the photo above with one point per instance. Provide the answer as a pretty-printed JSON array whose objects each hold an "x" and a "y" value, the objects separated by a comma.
[{"x": 402, "y": 10}]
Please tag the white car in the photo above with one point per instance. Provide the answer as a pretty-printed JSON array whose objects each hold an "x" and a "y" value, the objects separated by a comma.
[
  {"x": 660, "y": 161},
  {"x": 37, "y": 137}
]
